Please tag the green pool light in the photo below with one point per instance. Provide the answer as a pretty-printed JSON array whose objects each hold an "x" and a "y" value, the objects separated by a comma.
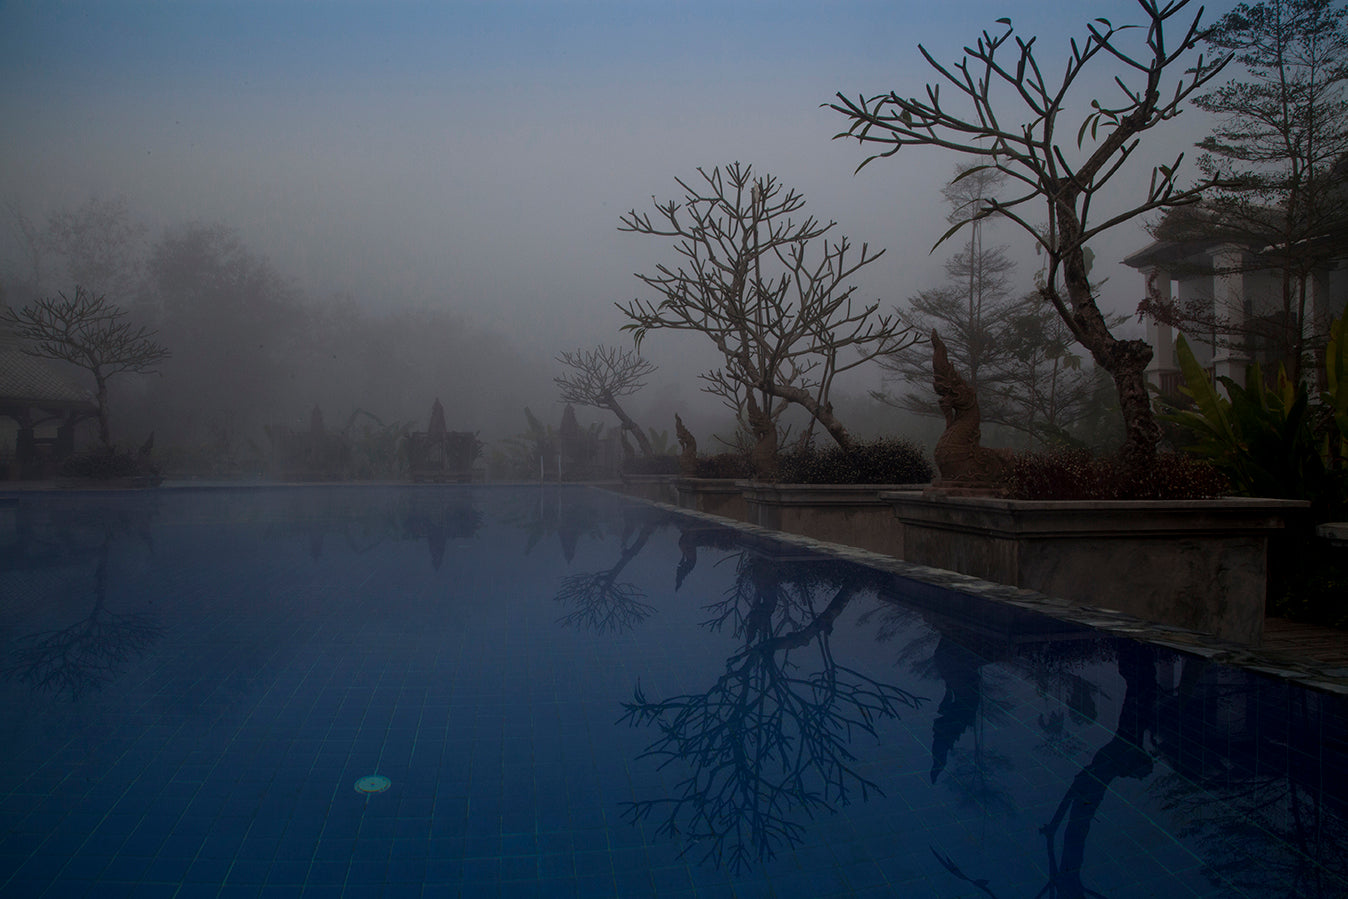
[{"x": 373, "y": 783}]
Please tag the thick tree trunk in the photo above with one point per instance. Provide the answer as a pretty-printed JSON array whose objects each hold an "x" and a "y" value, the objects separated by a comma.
[
  {"x": 629, "y": 425},
  {"x": 821, "y": 412},
  {"x": 1125, "y": 360},
  {"x": 104, "y": 430},
  {"x": 763, "y": 456}
]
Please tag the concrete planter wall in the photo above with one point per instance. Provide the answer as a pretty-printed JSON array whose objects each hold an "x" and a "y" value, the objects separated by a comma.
[
  {"x": 715, "y": 496},
  {"x": 656, "y": 487},
  {"x": 851, "y": 514},
  {"x": 1199, "y": 564}
]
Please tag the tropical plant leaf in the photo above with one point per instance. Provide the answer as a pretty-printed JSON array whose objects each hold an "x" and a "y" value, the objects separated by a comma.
[{"x": 1198, "y": 387}]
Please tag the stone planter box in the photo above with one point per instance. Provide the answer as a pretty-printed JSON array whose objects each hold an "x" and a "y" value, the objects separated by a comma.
[
  {"x": 655, "y": 487},
  {"x": 1198, "y": 564},
  {"x": 1335, "y": 533},
  {"x": 715, "y": 496},
  {"x": 851, "y": 514}
]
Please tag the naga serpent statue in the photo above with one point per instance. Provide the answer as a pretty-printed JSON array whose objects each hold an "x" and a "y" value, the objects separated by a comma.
[{"x": 964, "y": 466}]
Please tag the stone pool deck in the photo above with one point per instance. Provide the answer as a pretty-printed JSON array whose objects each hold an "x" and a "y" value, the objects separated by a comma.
[{"x": 1315, "y": 657}]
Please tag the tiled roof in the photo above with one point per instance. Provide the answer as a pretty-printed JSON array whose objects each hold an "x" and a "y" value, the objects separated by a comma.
[{"x": 27, "y": 380}]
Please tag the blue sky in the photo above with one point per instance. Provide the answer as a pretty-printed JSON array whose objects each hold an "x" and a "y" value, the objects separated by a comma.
[{"x": 478, "y": 154}]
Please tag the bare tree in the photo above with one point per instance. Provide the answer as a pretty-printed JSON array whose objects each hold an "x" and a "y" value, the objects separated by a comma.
[
  {"x": 1024, "y": 144},
  {"x": 91, "y": 333},
  {"x": 88, "y": 654},
  {"x": 769, "y": 290},
  {"x": 598, "y": 377}
]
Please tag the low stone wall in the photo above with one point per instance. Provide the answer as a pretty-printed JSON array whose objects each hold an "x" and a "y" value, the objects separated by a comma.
[
  {"x": 1200, "y": 564},
  {"x": 1334, "y": 532},
  {"x": 715, "y": 496},
  {"x": 850, "y": 514},
  {"x": 655, "y": 487}
]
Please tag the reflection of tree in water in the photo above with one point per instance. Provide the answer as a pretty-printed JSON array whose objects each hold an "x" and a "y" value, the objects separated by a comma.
[
  {"x": 88, "y": 654},
  {"x": 694, "y": 535},
  {"x": 598, "y": 601},
  {"x": 954, "y": 640},
  {"x": 1271, "y": 814},
  {"x": 1122, "y": 756},
  {"x": 969, "y": 635},
  {"x": 768, "y": 744},
  {"x": 1266, "y": 820}
]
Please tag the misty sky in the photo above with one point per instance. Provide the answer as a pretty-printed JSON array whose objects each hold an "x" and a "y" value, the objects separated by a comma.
[{"x": 478, "y": 154}]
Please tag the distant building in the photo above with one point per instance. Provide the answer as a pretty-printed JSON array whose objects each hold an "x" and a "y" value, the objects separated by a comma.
[
  {"x": 1223, "y": 279},
  {"x": 39, "y": 409}
]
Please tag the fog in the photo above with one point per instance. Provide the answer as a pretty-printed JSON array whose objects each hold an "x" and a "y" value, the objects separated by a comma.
[{"x": 430, "y": 192}]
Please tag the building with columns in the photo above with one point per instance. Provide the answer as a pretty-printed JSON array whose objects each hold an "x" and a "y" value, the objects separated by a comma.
[{"x": 1215, "y": 283}]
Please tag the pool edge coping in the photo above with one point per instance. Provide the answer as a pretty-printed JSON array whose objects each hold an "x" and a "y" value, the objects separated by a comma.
[{"x": 1206, "y": 646}]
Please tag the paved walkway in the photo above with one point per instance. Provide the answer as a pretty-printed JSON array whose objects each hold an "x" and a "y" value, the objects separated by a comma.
[{"x": 1325, "y": 645}]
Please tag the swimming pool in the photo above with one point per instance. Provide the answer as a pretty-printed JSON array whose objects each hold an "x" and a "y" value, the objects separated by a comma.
[{"x": 540, "y": 691}]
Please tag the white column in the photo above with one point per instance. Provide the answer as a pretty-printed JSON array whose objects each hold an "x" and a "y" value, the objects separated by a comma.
[
  {"x": 1161, "y": 336},
  {"x": 1228, "y": 297}
]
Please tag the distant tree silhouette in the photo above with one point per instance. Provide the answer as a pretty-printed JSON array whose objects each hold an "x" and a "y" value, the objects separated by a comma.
[
  {"x": 92, "y": 333},
  {"x": 599, "y": 376}
]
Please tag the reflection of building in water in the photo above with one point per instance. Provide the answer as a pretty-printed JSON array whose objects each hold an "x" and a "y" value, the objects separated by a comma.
[{"x": 1258, "y": 772}]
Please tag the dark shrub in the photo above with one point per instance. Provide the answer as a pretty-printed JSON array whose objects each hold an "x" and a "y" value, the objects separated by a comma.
[
  {"x": 105, "y": 463},
  {"x": 884, "y": 461},
  {"x": 1078, "y": 475},
  {"x": 665, "y": 464},
  {"x": 1308, "y": 578},
  {"x": 723, "y": 465}
]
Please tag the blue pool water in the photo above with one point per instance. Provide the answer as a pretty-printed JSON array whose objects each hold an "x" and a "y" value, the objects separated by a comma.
[{"x": 558, "y": 692}]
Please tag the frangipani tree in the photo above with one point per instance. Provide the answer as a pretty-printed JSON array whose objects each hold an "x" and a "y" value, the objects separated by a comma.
[
  {"x": 599, "y": 377},
  {"x": 1001, "y": 110},
  {"x": 91, "y": 333},
  {"x": 769, "y": 287}
]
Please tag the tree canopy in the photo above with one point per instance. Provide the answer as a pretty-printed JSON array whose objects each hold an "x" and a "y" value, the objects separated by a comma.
[
  {"x": 1000, "y": 110},
  {"x": 92, "y": 333},
  {"x": 770, "y": 289}
]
